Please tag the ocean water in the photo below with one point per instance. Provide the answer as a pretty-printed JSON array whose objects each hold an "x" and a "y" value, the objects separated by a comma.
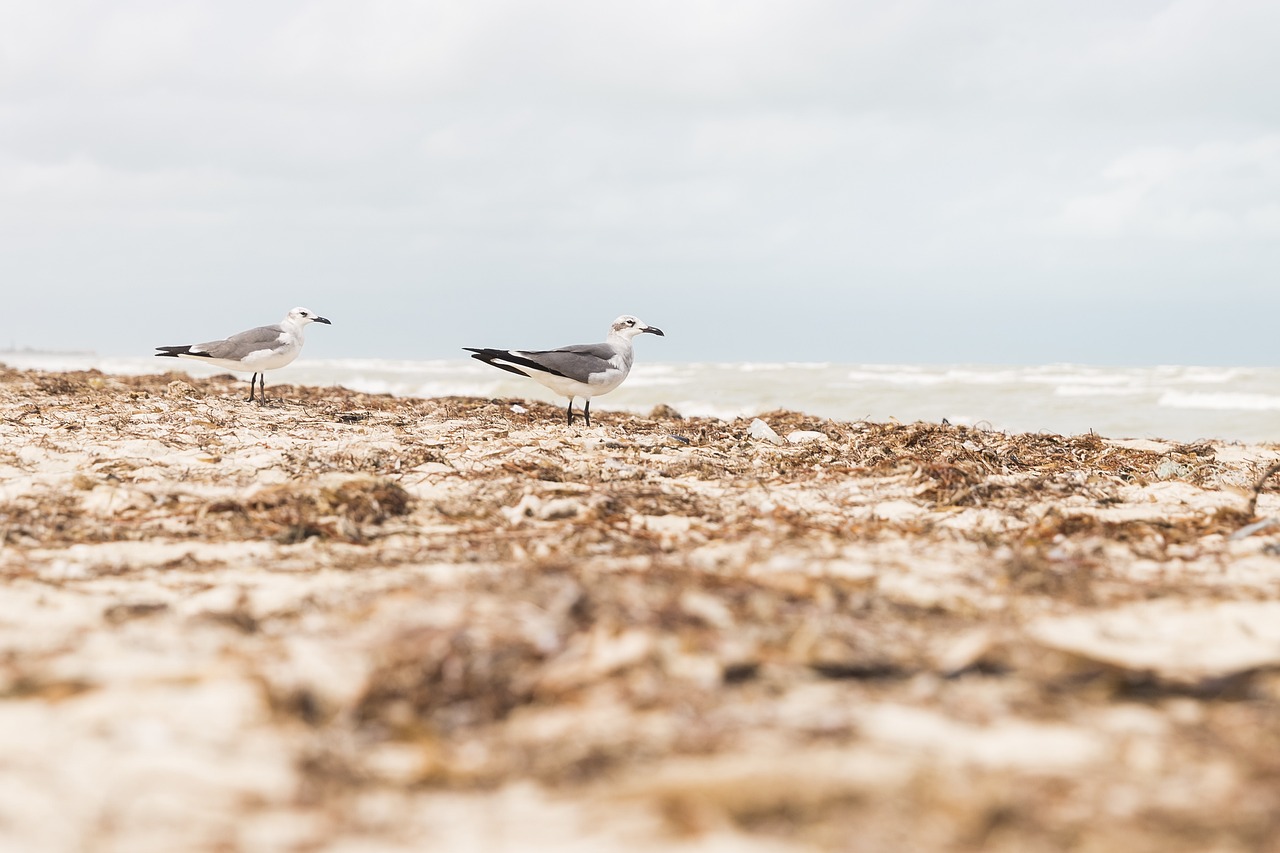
[{"x": 1184, "y": 403}]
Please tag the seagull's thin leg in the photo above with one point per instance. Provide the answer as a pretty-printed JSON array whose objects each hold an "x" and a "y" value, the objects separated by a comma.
[
  {"x": 569, "y": 411},
  {"x": 586, "y": 410},
  {"x": 262, "y": 389},
  {"x": 252, "y": 379}
]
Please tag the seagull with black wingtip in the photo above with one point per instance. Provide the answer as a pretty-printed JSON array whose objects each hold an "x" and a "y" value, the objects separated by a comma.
[
  {"x": 261, "y": 349},
  {"x": 584, "y": 370}
]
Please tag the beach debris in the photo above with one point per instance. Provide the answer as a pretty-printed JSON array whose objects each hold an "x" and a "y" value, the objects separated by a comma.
[
  {"x": 1043, "y": 747},
  {"x": 761, "y": 431},
  {"x": 803, "y": 436},
  {"x": 1184, "y": 643},
  {"x": 1257, "y": 527},
  {"x": 123, "y": 612},
  {"x": 531, "y": 506},
  {"x": 560, "y": 508},
  {"x": 342, "y": 508},
  {"x": 1258, "y": 486},
  {"x": 179, "y": 388},
  {"x": 1170, "y": 469},
  {"x": 954, "y": 655}
]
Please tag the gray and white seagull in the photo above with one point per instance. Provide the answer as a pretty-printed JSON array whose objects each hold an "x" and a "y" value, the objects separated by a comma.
[
  {"x": 584, "y": 370},
  {"x": 261, "y": 349}
]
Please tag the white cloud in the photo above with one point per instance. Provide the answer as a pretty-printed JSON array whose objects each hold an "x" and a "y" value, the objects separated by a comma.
[{"x": 1213, "y": 191}]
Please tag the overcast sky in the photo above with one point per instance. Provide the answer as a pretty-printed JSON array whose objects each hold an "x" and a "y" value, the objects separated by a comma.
[{"x": 809, "y": 180}]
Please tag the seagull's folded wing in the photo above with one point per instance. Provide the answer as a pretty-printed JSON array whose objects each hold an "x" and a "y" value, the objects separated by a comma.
[
  {"x": 577, "y": 362},
  {"x": 238, "y": 346}
]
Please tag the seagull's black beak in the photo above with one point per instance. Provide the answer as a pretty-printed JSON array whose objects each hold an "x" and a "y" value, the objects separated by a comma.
[
  {"x": 654, "y": 330},
  {"x": 323, "y": 320}
]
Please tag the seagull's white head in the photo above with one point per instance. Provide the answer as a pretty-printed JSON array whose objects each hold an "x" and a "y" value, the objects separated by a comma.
[
  {"x": 303, "y": 316},
  {"x": 628, "y": 327}
]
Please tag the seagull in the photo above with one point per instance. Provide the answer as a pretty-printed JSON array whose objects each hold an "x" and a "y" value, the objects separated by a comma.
[
  {"x": 585, "y": 370},
  {"x": 261, "y": 349}
]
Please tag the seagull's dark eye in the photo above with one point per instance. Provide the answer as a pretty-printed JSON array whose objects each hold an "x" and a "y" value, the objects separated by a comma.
[{"x": 631, "y": 322}]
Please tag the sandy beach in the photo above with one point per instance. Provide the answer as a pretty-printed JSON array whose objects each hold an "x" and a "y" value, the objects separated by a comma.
[{"x": 352, "y": 622}]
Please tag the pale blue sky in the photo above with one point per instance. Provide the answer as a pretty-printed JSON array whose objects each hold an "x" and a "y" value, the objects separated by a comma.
[{"x": 832, "y": 180}]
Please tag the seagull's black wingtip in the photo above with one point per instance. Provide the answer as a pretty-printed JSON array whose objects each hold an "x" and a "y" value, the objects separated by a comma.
[{"x": 498, "y": 357}]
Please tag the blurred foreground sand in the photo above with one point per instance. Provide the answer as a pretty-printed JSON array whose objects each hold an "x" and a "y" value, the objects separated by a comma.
[{"x": 363, "y": 623}]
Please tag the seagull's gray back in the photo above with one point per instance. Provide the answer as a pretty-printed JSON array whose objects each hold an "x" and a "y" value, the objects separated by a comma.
[{"x": 238, "y": 346}]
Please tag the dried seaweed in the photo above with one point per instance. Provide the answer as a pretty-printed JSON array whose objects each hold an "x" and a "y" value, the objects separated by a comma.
[{"x": 290, "y": 513}]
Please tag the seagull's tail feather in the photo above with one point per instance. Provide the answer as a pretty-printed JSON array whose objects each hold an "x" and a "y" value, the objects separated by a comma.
[
  {"x": 497, "y": 358},
  {"x": 508, "y": 361},
  {"x": 174, "y": 352}
]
